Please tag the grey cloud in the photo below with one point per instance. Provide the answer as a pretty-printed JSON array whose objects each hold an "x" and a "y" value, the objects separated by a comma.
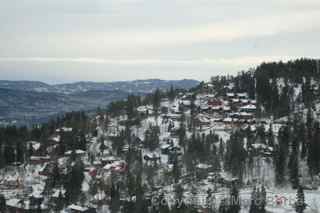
[{"x": 152, "y": 33}]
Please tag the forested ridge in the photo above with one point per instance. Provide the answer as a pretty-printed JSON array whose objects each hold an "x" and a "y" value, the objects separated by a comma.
[
  {"x": 206, "y": 147},
  {"x": 279, "y": 87}
]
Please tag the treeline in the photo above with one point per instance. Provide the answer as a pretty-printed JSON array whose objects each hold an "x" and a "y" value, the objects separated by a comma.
[
  {"x": 294, "y": 151},
  {"x": 274, "y": 85},
  {"x": 13, "y": 140},
  {"x": 130, "y": 105}
]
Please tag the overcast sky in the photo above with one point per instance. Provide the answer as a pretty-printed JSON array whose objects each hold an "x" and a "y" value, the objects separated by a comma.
[{"x": 106, "y": 40}]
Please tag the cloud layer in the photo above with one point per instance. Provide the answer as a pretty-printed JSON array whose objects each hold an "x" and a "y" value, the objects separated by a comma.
[{"x": 167, "y": 39}]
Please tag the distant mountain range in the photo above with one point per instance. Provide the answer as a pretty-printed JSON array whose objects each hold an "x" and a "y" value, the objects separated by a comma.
[
  {"x": 137, "y": 86},
  {"x": 27, "y": 102}
]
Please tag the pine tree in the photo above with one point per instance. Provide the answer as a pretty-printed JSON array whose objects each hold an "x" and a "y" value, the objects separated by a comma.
[
  {"x": 253, "y": 205},
  {"x": 139, "y": 192},
  {"x": 309, "y": 137},
  {"x": 293, "y": 164},
  {"x": 182, "y": 131},
  {"x": 176, "y": 170},
  {"x": 115, "y": 198},
  {"x": 2, "y": 203},
  {"x": 59, "y": 203},
  {"x": 280, "y": 155},
  {"x": 234, "y": 200},
  {"x": 314, "y": 148},
  {"x": 270, "y": 136},
  {"x": 221, "y": 149},
  {"x": 224, "y": 207},
  {"x": 258, "y": 200},
  {"x": 73, "y": 181},
  {"x": 300, "y": 204},
  {"x": 156, "y": 101},
  {"x": 171, "y": 94},
  {"x": 303, "y": 140},
  {"x": 210, "y": 201},
  {"x": 264, "y": 199},
  {"x": 56, "y": 177},
  {"x": 235, "y": 155},
  {"x": 151, "y": 140}
]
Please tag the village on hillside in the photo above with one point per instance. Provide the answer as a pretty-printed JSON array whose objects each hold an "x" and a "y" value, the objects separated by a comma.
[{"x": 172, "y": 149}]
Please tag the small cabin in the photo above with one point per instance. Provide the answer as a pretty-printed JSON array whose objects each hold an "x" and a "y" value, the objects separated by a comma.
[{"x": 250, "y": 108}]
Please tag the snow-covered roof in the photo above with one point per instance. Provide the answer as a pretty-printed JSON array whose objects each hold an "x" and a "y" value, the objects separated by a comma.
[
  {"x": 186, "y": 102},
  {"x": 21, "y": 204},
  {"x": 78, "y": 152},
  {"x": 17, "y": 203},
  {"x": 144, "y": 108},
  {"x": 109, "y": 158},
  {"x": 152, "y": 155},
  {"x": 165, "y": 146},
  {"x": 204, "y": 107},
  {"x": 115, "y": 164},
  {"x": 203, "y": 166},
  {"x": 47, "y": 157},
  {"x": 228, "y": 119},
  {"x": 56, "y": 138},
  {"x": 34, "y": 144},
  {"x": 173, "y": 115},
  {"x": 235, "y": 100},
  {"x": 230, "y": 94},
  {"x": 249, "y": 106},
  {"x": 226, "y": 108},
  {"x": 244, "y": 101},
  {"x": 245, "y": 114},
  {"x": 202, "y": 118},
  {"x": 259, "y": 146},
  {"x": 77, "y": 208},
  {"x": 216, "y": 107},
  {"x": 64, "y": 129},
  {"x": 243, "y": 94}
]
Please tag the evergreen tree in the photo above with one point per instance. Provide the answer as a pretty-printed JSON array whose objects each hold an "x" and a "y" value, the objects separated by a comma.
[
  {"x": 151, "y": 140},
  {"x": 73, "y": 181},
  {"x": 293, "y": 164},
  {"x": 59, "y": 203},
  {"x": 115, "y": 199},
  {"x": 234, "y": 200},
  {"x": 139, "y": 192},
  {"x": 300, "y": 204},
  {"x": 2, "y": 203},
  {"x": 263, "y": 198},
  {"x": 235, "y": 155},
  {"x": 171, "y": 94},
  {"x": 314, "y": 149},
  {"x": 182, "y": 131},
  {"x": 224, "y": 207},
  {"x": 258, "y": 200},
  {"x": 56, "y": 177},
  {"x": 156, "y": 101},
  {"x": 280, "y": 155},
  {"x": 176, "y": 170},
  {"x": 270, "y": 136},
  {"x": 254, "y": 204}
]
